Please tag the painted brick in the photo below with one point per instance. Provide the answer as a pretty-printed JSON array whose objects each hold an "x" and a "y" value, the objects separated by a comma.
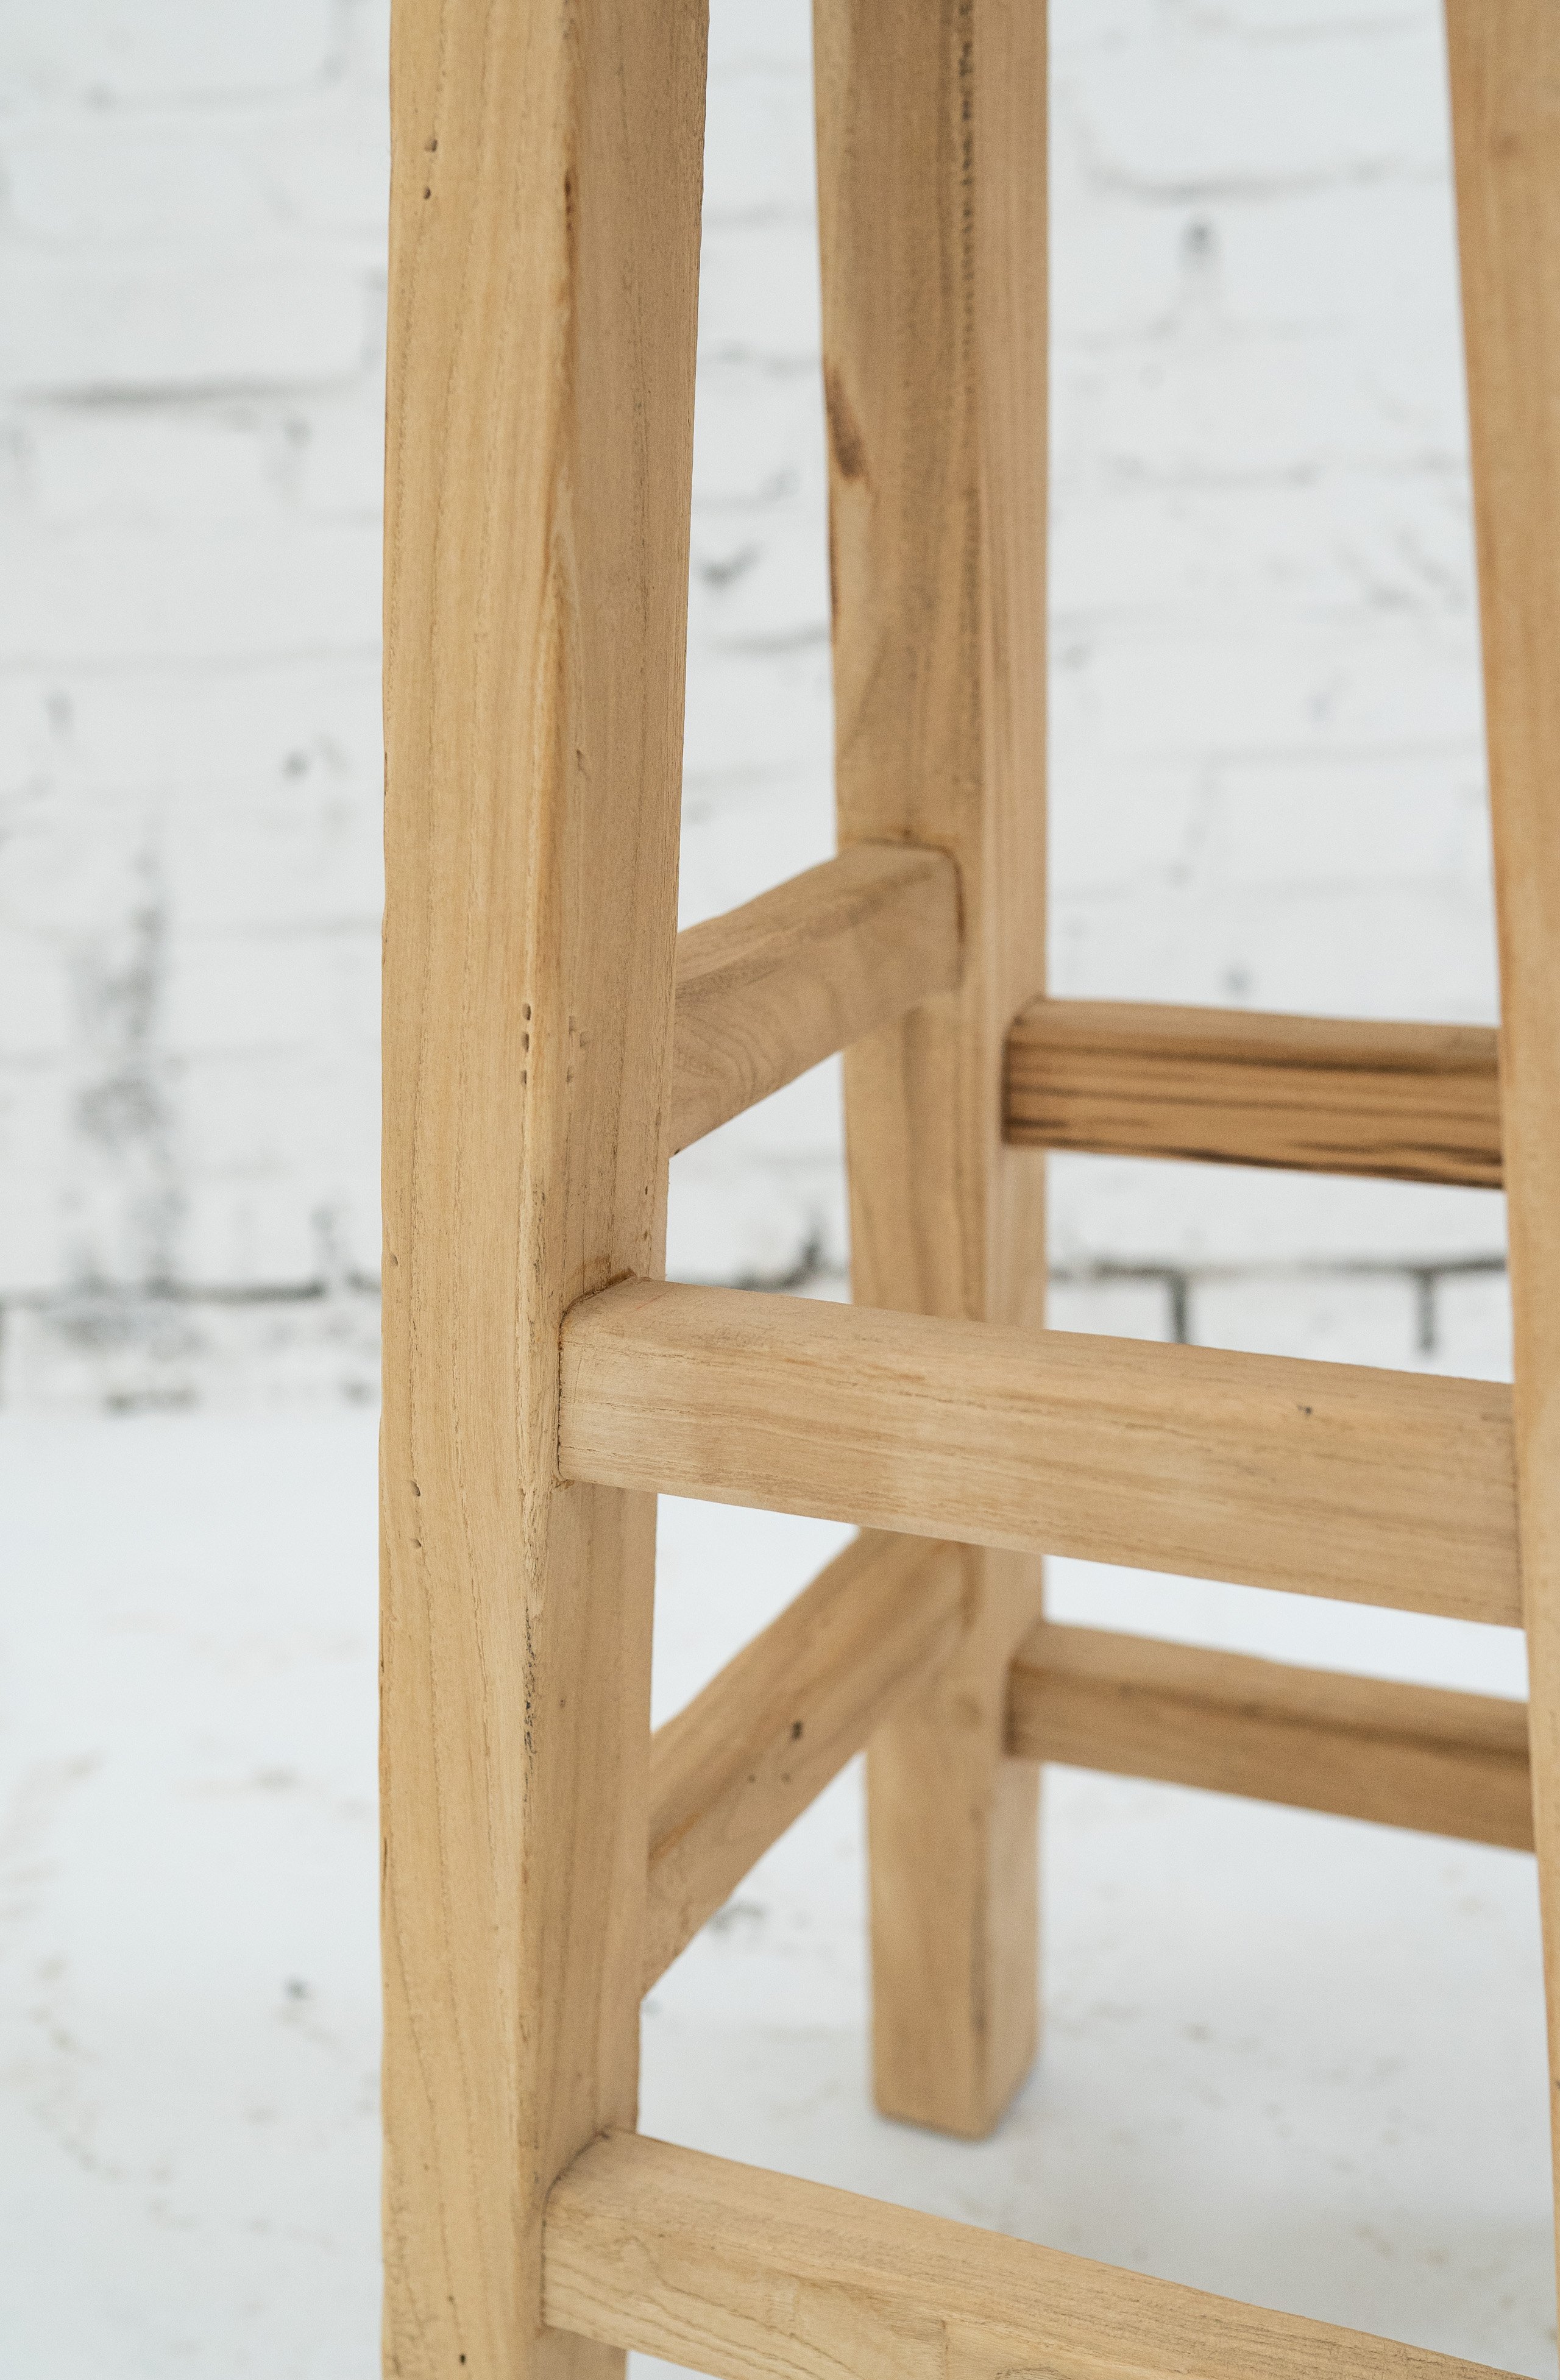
[
  {"x": 210, "y": 729},
  {"x": 1120, "y": 1309},
  {"x": 123, "y": 182},
  {"x": 759, "y": 153},
  {"x": 763, "y": 712},
  {"x": 233, "y": 992},
  {"x": 1126, "y": 1211},
  {"x": 1471, "y": 1323},
  {"x": 1345, "y": 1319},
  {"x": 168, "y": 1354},
  {"x": 758, "y": 290},
  {"x": 97, "y": 327},
  {"x": 778, "y": 37},
  {"x": 338, "y": 456},
  {"x": 329, "y": 171},
  {"x": 300, "y": 859},
  {"x": 1265, "y": 739},
  {"x": 758, "y": 587},
  {"x": 98, "y": 471},
  {"x": 37, "y": 1011},
  {"x": 107, "y": 594},
  {"x": 1368, "y": 950},
  {"x": 1178, "y": 106},
  {"x": 1342, "y": 541},
  {"x": 97, "y": 52},
  {"x": 37, "y": 1163},
  {"x": 741, "y": 836},
  {"x": 244, "y": 1226}
]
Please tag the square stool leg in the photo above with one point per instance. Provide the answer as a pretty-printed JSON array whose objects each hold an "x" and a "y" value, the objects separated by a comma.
[
  {"x": 542, "y": 290},
  {"x": 932, "y": 220},
  {"x": 1505, "y": 58}
]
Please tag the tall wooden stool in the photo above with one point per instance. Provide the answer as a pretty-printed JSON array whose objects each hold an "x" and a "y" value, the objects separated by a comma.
[{"x": 548, "y": 1041}]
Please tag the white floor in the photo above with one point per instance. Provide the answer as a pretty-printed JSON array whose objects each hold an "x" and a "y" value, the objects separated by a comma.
[{"x": 1286, "y": 2057}]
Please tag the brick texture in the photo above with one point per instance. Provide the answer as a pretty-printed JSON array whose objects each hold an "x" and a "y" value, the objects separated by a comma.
[{"x": 1268, "y": 781}]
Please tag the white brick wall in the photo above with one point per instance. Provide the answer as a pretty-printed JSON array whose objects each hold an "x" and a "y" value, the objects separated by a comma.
[{"x": 1268, "y": 780}]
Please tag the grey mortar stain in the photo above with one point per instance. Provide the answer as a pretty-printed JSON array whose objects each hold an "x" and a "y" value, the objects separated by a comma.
[{"x": 124, "y": 1118}]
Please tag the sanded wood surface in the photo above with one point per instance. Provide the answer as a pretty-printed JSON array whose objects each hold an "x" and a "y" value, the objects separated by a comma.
[
  {"x": 1505, "y": 63},
  {"x": 730, "y": 1773},
  {"x": 778, "y": 985},
  {"x": 544, "y": 242},
  {"x": 932, "y": 201},
  {"x": 753, "y": 2276},
  {"x": 1319, "y": 1094},
  {"x": 1331, "y": 1479},
  {"x": 1419, "y": 1757}
]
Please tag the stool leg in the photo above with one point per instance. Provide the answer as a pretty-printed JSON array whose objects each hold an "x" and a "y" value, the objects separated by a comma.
[
  {"x": 544, "y": 260},
  {"x": 1505, "y": 106},
  {"x": 932, "y": 218}
]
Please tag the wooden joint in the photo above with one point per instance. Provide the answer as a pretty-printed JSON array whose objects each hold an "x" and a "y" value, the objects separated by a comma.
[
  {"x": 785, "y": 981},
  {"x": 1440, "y": 1763},
  {"x": 746, "y": 2275},
  {"x": 1320, "y": 1095},
  {"x": 1334, "y": 1479},
  {"x": 742, "y": 1762}
]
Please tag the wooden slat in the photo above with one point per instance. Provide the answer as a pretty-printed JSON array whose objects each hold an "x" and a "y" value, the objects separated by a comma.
[
  {"x": 730, "y": 1773},
  {"x": 1404, "y": 1755},
  {"x": 1505, "y": 67},
  {"x": 543, "y": 264},
  {"x": 932, "y": 202},
  {"x": 1330, "y": 1479},
  {"x": 778, "y": 985},
  {"x": 753, "y": 2276},
  {"x": 1321, "y": 1095}
]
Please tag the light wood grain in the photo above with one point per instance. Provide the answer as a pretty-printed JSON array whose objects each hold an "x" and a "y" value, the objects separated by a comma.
[
  {"x": 1319, "y": 1094},
  {"x": 1404, "y": 1755},
  {"x": 1374, "y": 1487},
  {"x": 730, "y": 1773},
  {"x": 778, "y": 985},
  {"x": 753, "y": 2276},
  {"x": 932, "y": 170},
  {"x": 545, "y": 236},
  {"x": 1505, "y": 63}
]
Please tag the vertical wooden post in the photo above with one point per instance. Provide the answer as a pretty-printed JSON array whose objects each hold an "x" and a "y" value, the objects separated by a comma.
[
  {"x": 544, "y": 230},
  {"x": 1505, "y": 58},
  {"x": 933, "y": 205}
]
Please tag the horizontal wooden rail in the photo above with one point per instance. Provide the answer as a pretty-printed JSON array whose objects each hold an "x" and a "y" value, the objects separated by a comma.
[
  {"x": 1418, "y": 1756},
  {"x": 1330, "y": 1479},
  {"x": 1324, "y": 1095},
  {"x": 776, "y": 986},
  {"x": 753, "y": 2276},
  {"x": 730, "y": 1773}
]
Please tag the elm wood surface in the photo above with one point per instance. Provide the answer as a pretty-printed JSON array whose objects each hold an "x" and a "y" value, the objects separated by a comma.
[
  {"x": 1373, "y": 1487},
  {"x": 1505, "y": 63},
  {"x": 1404, "y": 1755},
  {"x": 1316, "y": 1094},
  {"x": 752, "y": 2276},
  {"x": 545, "y": 244},
  {"x": 776, "y": 986},
  {"x": 931, "y": 201},
  {"x": 544, "y": 234},
  {"x": 734, "y": 1770}
]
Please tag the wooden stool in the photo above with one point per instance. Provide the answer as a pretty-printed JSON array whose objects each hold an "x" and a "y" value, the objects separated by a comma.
[{"x": 548, "y": 1041}]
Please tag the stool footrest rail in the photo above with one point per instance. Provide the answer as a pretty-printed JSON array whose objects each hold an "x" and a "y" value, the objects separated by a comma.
[
  {"x": 753, "y": 2276},
  {"x": 746, "y": 1756},
  {"x": 782, "y": 983},
  {"x": 1333, "y": 1479},
  {"x": 1314, "y": 1094},
  {"x": 1439, "y": 1762}
]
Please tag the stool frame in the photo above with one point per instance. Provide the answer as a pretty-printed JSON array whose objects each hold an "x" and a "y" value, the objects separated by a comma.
[{"x": 550, "y": 1040}]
